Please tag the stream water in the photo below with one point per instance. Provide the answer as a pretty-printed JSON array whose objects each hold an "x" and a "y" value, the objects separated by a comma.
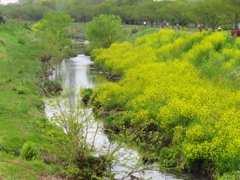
[{"x": 75, "y": 73}]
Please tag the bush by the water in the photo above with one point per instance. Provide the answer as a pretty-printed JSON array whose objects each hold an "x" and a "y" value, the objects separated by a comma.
[{"x": 134, "y": 30}]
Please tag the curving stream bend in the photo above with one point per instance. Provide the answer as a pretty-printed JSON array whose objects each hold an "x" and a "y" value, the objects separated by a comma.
[{"x": 74, "y": 73}]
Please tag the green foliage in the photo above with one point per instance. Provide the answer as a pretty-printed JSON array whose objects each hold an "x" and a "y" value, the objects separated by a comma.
[
  {"x": 31, "y": 151},
  {"x": 21, "y": 41},
  {"x": 77, "y": 31},
  {"x": 168, "y": 157},
  {"x": 27, "y": 25},
  {"x": 141, "y": 31},
  {"x": 121, "y": 2},
  {"x": 232, "y": 176},
  {"x": 86, "y": 94},
  {"x": 14, "y": 168},
  {"x": 104, "y": 30},
  {"x": 25, "y": 13},
  {"x": 134, "y": 30},
  {"x": 73, "y": 146},
  {"x": 52, "y": 88},
  {"x": 50, "y": 29}
]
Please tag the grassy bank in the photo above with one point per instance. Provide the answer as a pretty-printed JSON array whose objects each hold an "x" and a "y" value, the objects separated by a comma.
[{"x": 21, "y": 104}]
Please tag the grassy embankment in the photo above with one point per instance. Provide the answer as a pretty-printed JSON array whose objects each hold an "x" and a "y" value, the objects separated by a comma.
[{"x": 21, "y": 104}]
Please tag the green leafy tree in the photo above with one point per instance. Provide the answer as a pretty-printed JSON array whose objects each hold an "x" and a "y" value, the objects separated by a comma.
[
  {"x": 121, "y": 2},
  {"x": 231, "y": 10},
  {"x": 76, "y": 141},
  {"x": 148, "y": 11},
  {"x": 81, "y": 13},
  {"x": 162, "y": 11},
  {"x": 104, "y": 30},
  {"x": 53, "y": 4},
  {"x": 53, "y": 36},
  {"x": 127, "y": 13},
  {"x": 104, "y": 9},
  {"x": 206, "y": 12},
  {"x": 180, "y": 12}
]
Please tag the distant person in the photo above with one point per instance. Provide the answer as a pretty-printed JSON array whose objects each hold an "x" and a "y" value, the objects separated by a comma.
[
  {"x": 200, "y": 28},
  {"x": 219, "y": 28},
  {"x": 177, "y": 27},
  {"x": 161, "y": 25},
  {"x": 167, "y": 24}
]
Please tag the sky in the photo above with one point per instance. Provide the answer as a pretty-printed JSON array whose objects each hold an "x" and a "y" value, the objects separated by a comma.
[{"x": 8, "y": 1}]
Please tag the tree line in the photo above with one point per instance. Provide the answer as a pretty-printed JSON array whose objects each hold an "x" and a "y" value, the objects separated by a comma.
[{"x": 207, "y": 13}]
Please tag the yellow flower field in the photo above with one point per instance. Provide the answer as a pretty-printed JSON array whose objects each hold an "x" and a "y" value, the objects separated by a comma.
[{"x": 188, "y": 86}]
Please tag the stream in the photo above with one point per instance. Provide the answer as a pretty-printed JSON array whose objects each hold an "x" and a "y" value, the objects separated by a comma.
[{"x": 75, "y": 73}]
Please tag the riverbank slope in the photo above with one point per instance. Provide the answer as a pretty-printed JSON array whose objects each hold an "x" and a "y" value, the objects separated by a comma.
[{"x": 21, "y": 105}]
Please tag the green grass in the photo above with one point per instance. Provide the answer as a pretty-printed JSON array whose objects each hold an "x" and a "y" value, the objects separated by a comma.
[
  {"x": 11, "y": 167},
  {"x": 19, "y": 85},
  {"x": 141, "y": 31},
  {"x": 21, "y": 103}
]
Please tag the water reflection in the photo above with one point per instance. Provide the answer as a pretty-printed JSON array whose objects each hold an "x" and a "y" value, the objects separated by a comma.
[{"x": 75, "y": 73}]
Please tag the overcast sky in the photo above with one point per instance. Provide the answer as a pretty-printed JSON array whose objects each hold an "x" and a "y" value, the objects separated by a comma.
[{"x": 8, "y": 1}]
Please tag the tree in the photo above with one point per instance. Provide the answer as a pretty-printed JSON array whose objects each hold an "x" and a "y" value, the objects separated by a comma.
[
  {"x": 148, "y": 11},
  {"x": 162, "y": 12},
  {"x": 81, "y": 13},
  {"x": 79, "y": 142},
  {"x": 121, "y": 2},
  {"x": 205, "y": 12},
  {"x": 104, "y": 30},
  {"x": 180, "y": 12},
  {"x": 127, "y": 13},
  {"x": 25, "y": 12},
  {"x": 34, "y": 13},
  {"x": 231, "y": 10},
  {"x": 104, "y": 8},
  {"x": 53, "y": 36}
]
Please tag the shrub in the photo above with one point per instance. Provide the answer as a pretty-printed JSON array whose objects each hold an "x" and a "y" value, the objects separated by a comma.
[
  {"x": 134, "y": 30},
  {"x": 20, "y": 89},
  {"x": 21, "y": 41},
  {"x": 52, "y": 88},
  {"x": 31, "y": 151},
  {"x": 108, "y": 31},
  {"x": 26, "y": 25},
  {"x": 86, "y": 94}
]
